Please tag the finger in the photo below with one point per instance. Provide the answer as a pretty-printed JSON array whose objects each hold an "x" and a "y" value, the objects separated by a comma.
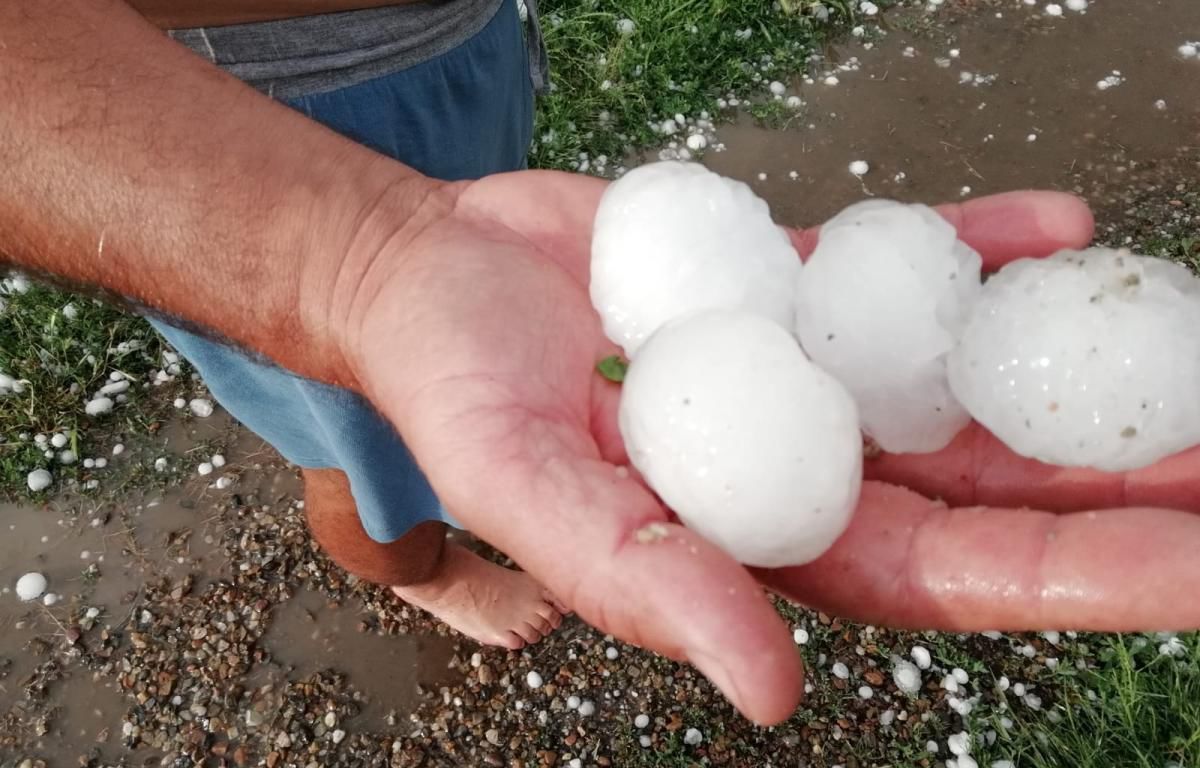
[
  {"x": 1005, "y": 227},
  {"x": 908, "y": 562},
  {"x": 600, "y": 541},
  {"x": 976, "y": 468}
]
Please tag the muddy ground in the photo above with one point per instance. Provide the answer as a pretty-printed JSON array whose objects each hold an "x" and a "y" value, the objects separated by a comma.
[{"x": 198, "y": 626}]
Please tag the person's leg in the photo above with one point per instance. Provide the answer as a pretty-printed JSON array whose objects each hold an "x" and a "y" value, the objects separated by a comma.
[{"x": 482, "y": 600}]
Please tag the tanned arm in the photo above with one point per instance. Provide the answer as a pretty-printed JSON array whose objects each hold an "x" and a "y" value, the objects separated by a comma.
[{"x": 131, "y": 166}]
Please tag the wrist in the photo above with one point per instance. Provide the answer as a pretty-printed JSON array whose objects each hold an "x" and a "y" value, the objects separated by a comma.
[{"x": 351, "y": 252}]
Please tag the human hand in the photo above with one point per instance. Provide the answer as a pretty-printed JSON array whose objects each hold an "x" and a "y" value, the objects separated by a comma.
[{"x": 474, "y": 333}]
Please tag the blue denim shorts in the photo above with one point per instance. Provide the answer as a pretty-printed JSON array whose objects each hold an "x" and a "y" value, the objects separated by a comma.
[{"x": 463, "y": 115}]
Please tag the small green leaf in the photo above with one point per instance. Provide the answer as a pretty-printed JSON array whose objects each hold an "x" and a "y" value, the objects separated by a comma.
[{"x": 613, "y": 368}]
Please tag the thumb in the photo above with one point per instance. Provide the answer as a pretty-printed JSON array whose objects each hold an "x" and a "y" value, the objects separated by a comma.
[{"x": 603, "y": 544}]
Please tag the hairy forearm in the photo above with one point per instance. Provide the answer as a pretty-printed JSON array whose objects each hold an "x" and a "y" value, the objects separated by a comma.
[{"x": 129, "y": 164}]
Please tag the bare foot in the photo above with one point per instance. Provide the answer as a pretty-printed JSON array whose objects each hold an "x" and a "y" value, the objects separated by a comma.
[{"x": 489, "y": 603}]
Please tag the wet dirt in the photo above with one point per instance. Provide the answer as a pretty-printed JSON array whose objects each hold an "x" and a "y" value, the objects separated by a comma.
[
  {"x": 906, "y": 114},
  {"x": 308, "y": 634},
  {"x": 101, "y": 553}
]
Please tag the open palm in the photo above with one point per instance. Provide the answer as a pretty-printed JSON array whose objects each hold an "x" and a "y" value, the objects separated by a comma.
[{"x": 480, "y": 344}]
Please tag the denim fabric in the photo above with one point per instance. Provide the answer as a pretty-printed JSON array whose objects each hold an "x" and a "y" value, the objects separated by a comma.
[{"x": 463, "y": 115}]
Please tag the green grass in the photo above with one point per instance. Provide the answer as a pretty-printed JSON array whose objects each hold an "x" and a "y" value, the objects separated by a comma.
[
  {"x": 681, "y": 56},
  {"x": 1135, "y": 708},
  {"x": 61, "y": 361}
]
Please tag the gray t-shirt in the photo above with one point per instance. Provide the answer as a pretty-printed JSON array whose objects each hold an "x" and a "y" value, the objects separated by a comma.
[{"x": 312, "y": 54}]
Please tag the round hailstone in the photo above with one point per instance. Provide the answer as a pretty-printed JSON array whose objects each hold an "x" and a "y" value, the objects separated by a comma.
[
  {"x": 201, "y": 407},
  {"x": 587, "y": 709},
  {"x": 31, "y": 586},
  {"x": 1087, "y": 358},
  {"x": 693, "y": 737},
  {"x": 533, "y": 680},
  {"x": 626, "y": 26},
  {"x": 859, "y": 168},
  {"x": 1077, "y": 5},
  {"x": 697, "y": 142},
  {"x": 205, "y": 468},
  {"x": 777, "y": 88},
  {"x": 921, "y": 656},
  {"x": 1189, "y": 50},
  {"x": 38, "y": 480},
  {"x": 906, "y": 676},
  {"x": 841, "y": 671},
  {"x": 59, "y": 440},
  {"x": 98, "y": 405},
  {"x": 752, "y": 445},
  {"x": 671, "y": 238},
  {"x": 1054, "y": 9},
  {"x": 800, "y": 636},
  {"x": 573, "y": 702},
  {"x": 641, "y": 721},
  {"x": 50, "y": 599},
  {"x": 881, "y": 302}
]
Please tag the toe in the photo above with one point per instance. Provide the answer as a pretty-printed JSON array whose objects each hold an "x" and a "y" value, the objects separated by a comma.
[
  {"x": 558, "y": 604},
  {"x": 528, "y": 632},
  {"x": 541, "y": 625},
  {"x": 511, "y": 640},
  {"x": 551, "y": 616}
]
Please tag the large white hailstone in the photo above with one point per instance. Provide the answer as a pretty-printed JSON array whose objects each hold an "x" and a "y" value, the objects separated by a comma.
[
  {"x": 39, "y": 480},
  {"x": 752, "y": 445},
  {"x": 880, "y": 304},
  {"x": 671, "y": 238},
  {"x": 31, "y": 586},
  {"x": 1087, "y": 358}
]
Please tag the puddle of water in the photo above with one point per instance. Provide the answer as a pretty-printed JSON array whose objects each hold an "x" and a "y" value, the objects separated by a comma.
[
  {"x": 307, "y": 634},
  {"x": 909, "y": 115}
]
